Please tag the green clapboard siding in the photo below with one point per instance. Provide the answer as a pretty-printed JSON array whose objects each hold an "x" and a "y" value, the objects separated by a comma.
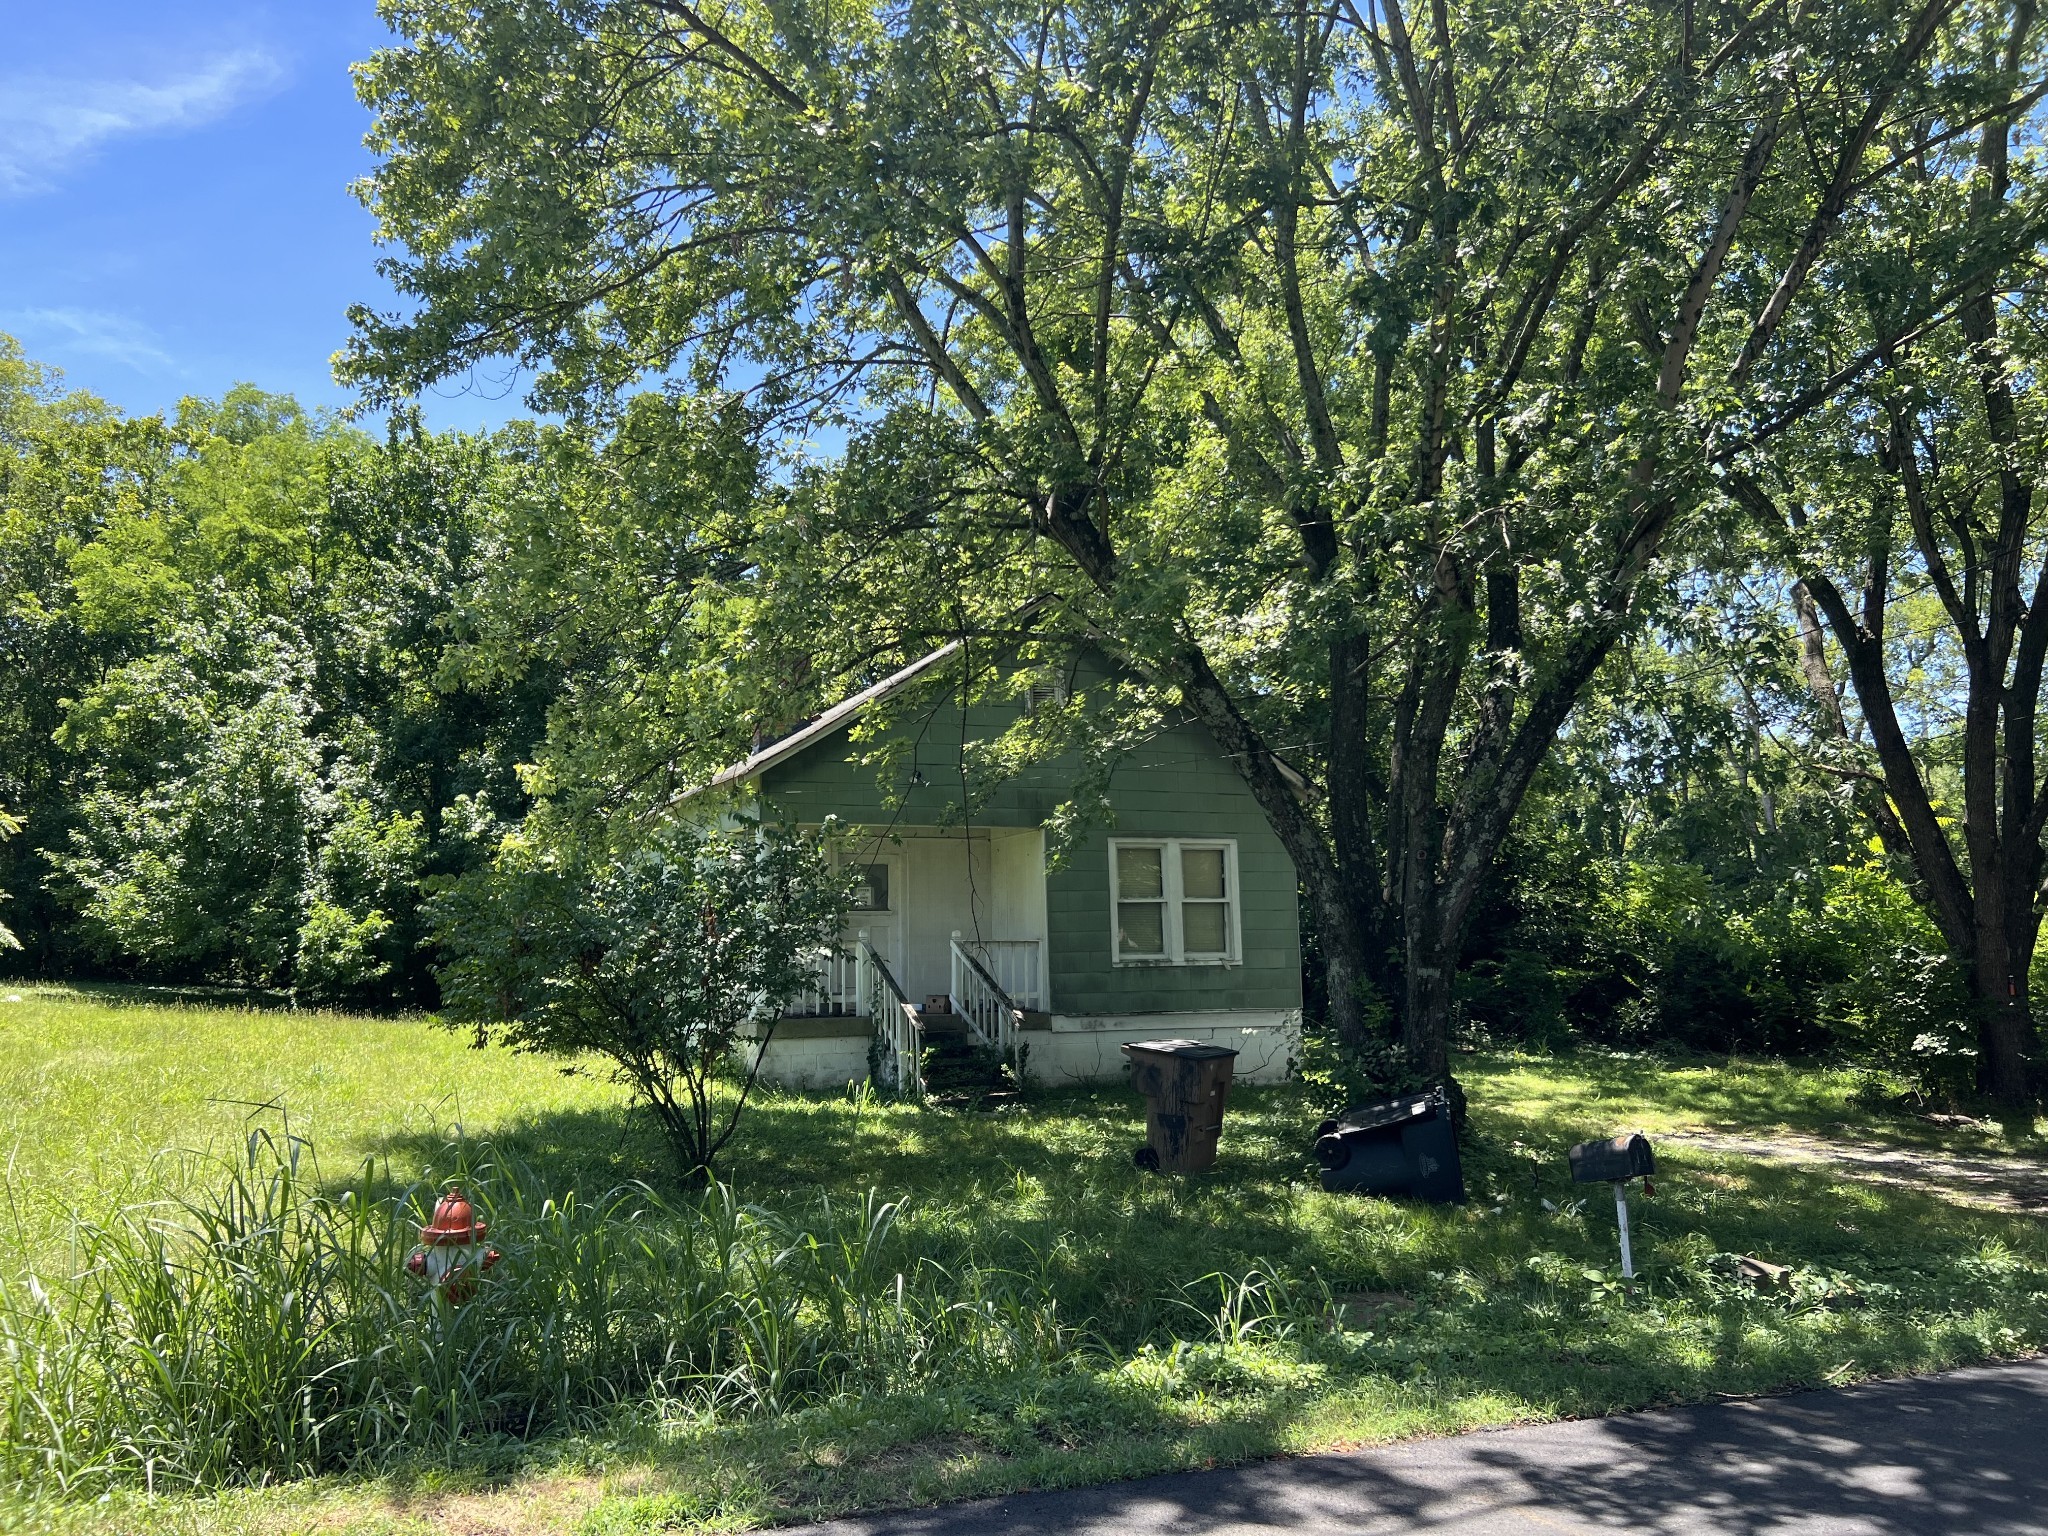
[
  {"x": 1177, "y": 785},
  {"x": 829, "y": 778}
]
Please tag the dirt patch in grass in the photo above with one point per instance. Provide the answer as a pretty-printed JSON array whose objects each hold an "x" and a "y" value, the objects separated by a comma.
[
  {"x": 539, "y": 1507},
  {"x": 2013, "y": 1184}
]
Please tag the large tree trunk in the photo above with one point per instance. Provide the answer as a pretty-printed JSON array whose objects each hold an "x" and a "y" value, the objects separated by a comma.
[
  {"x": 2005, "y": 1025},
  {"x": 1985, "y": 915},
  {"x": 1985, "y": 906},
  {"x": 1349, "y": 920},
  {"x": 1348, "y": 980},
  {"x": 1429, "y": 967}
]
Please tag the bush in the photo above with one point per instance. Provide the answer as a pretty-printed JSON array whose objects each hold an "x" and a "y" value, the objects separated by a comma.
[
  {"x": 192, "y": 856},
  {"x": 1895, "y": 1003},
  {"x": 9, "y": 825},
  {"x": 1338, "y": 1077},
  {"x": 657, "y": 961},
  {"x": 1813, "y": 959}
]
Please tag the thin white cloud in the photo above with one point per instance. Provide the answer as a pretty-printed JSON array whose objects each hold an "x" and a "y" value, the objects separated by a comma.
[
  {"x": 48, "y": 124},
  {"x": 94, "y": 332}
]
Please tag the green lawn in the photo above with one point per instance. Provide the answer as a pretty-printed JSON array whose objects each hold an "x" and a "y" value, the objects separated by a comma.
[
  {"x": 101, "y": 1099},
  {"x": 1377, "y": 1320}
]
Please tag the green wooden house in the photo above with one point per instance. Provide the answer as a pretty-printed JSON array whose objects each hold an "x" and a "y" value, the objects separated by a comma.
[{"x": 1178, "y": 919}]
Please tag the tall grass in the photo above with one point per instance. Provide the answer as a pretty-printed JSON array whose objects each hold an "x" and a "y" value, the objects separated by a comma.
[{"x": 268, "y": 1329}]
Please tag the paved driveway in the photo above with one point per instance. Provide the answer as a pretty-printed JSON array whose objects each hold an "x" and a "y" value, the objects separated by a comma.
[{"x": 1963, "y": 1452}]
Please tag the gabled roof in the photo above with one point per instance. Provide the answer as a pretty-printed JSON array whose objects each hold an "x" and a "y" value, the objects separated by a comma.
[{"x": 831, "y": 720}]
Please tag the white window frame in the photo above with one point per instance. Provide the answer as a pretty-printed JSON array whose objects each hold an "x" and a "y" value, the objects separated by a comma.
[{"x": 1170, "y": 849}]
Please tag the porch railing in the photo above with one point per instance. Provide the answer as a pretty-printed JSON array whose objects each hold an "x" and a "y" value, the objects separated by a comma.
[
  {"x": 1012, "y": 964},
  {"x": 899, "y": 1036},
  {"x": 984, "y": 1003},
  {"x": 835, "y": 993}
]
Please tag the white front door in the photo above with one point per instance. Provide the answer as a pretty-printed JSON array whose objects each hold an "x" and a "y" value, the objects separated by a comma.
[
  {"x": 877, "y": 914},
  {"x": 949, "y": 893}
]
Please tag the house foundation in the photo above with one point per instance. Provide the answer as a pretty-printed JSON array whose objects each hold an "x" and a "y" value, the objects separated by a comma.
[{"x": 825, "y": 1055}]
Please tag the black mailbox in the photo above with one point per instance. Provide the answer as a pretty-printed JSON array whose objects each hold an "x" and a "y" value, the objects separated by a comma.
[
  {"x": 1614, "y": 1161},
  {"x": 1399, "y": 1146}
]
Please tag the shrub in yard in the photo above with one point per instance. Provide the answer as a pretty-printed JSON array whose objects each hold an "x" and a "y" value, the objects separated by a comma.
[
  {"x": 1896, "y": 1003},
  {"x": 195, "y": 823},
  {"x": 1337, "y": 1076},
  {"x": 656, "y": 961},
  {"x": 9, "y": 825}
]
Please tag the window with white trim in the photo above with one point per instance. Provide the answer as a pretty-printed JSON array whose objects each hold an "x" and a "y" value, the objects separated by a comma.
[
  {"x": 871, "y": 894},
  {"x": 1173, "y": 901}
]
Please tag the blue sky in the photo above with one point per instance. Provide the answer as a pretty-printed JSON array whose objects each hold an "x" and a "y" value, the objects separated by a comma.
[{"x": 174, "y": 206}]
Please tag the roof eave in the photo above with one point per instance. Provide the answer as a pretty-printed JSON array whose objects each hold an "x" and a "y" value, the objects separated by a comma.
[{"x": 842, "y": 713}]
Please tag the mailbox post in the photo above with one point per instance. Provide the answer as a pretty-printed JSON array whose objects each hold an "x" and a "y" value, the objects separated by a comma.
[{"x": 1616, "y": 1161}]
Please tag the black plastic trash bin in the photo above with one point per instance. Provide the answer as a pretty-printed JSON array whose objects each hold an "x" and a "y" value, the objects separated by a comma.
[{"x": 1400, "y": 1146}]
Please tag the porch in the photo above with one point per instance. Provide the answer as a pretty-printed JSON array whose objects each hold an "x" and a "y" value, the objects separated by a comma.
[{"x": 947, "y": 941}]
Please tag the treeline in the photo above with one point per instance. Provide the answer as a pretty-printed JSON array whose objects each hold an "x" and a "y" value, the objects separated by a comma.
[
  {"x": 236, "y": 727},
  {"x": 1691, "y": 873},
  {"x": 269, "y": 682},
  {"x": 1394, "y": 392},
  {"x": 1583, "y": 476}
]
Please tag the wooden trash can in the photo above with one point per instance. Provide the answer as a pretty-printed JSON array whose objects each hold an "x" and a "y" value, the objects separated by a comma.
[{"x": 1185, "y": 1086}]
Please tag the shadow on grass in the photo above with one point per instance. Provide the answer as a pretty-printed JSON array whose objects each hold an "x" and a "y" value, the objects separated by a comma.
[
  {"x": 1488, "y": 1345},
  {"x": 1050, "y": 1191},
  {"x": 796, "y": 1144},
  {"x": 585, "y": 1152}
]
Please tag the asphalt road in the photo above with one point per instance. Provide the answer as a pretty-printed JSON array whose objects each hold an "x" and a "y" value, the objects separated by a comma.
[{"x": 1962, "y": 1452}]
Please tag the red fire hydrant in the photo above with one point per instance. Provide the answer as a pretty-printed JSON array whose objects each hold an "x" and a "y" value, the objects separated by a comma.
[{"x": 452, "y": 1255}]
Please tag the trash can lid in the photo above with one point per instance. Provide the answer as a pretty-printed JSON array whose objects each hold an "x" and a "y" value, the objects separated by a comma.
[
  {"x": 1186, "y": 1050},
  {"x": 1389, "y": 1111}
]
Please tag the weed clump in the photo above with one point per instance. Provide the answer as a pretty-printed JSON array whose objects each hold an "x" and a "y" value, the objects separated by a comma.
[{"x": 268, "y": 1329}]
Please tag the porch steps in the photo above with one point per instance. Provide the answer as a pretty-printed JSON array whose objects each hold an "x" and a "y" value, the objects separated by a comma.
[{"x": 959, "y": 1070}]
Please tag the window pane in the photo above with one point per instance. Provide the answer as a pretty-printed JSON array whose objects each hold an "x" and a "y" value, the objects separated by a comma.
[
  {"x": 1141, "y": 927},
  {"x": 1139, "y": 873},
  {"x": 1201, "y": 872},
  {"x": 1205, "y": 926},
  {"x": 872, "y": 894}
]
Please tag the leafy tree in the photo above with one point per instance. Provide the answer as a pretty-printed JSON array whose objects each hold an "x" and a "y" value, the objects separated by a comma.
[
  {"x": 656, "y": 960},
  {"x": 365, "y": 883},
  {"x": 1909, "y": 516},
  {"x": 613, "y": 600},
  {"x": 1343, "y": 373},
  {"x": 197, "y": 820},
  {"x": 411, "y": 535},
  {"x": 9, "y": 827},
  {"x": 1664, "y": 884},
  {"x": 235, "y": 505},
  {"x": 253, "y": 599},
  {"x": 69, "y": 465}
]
